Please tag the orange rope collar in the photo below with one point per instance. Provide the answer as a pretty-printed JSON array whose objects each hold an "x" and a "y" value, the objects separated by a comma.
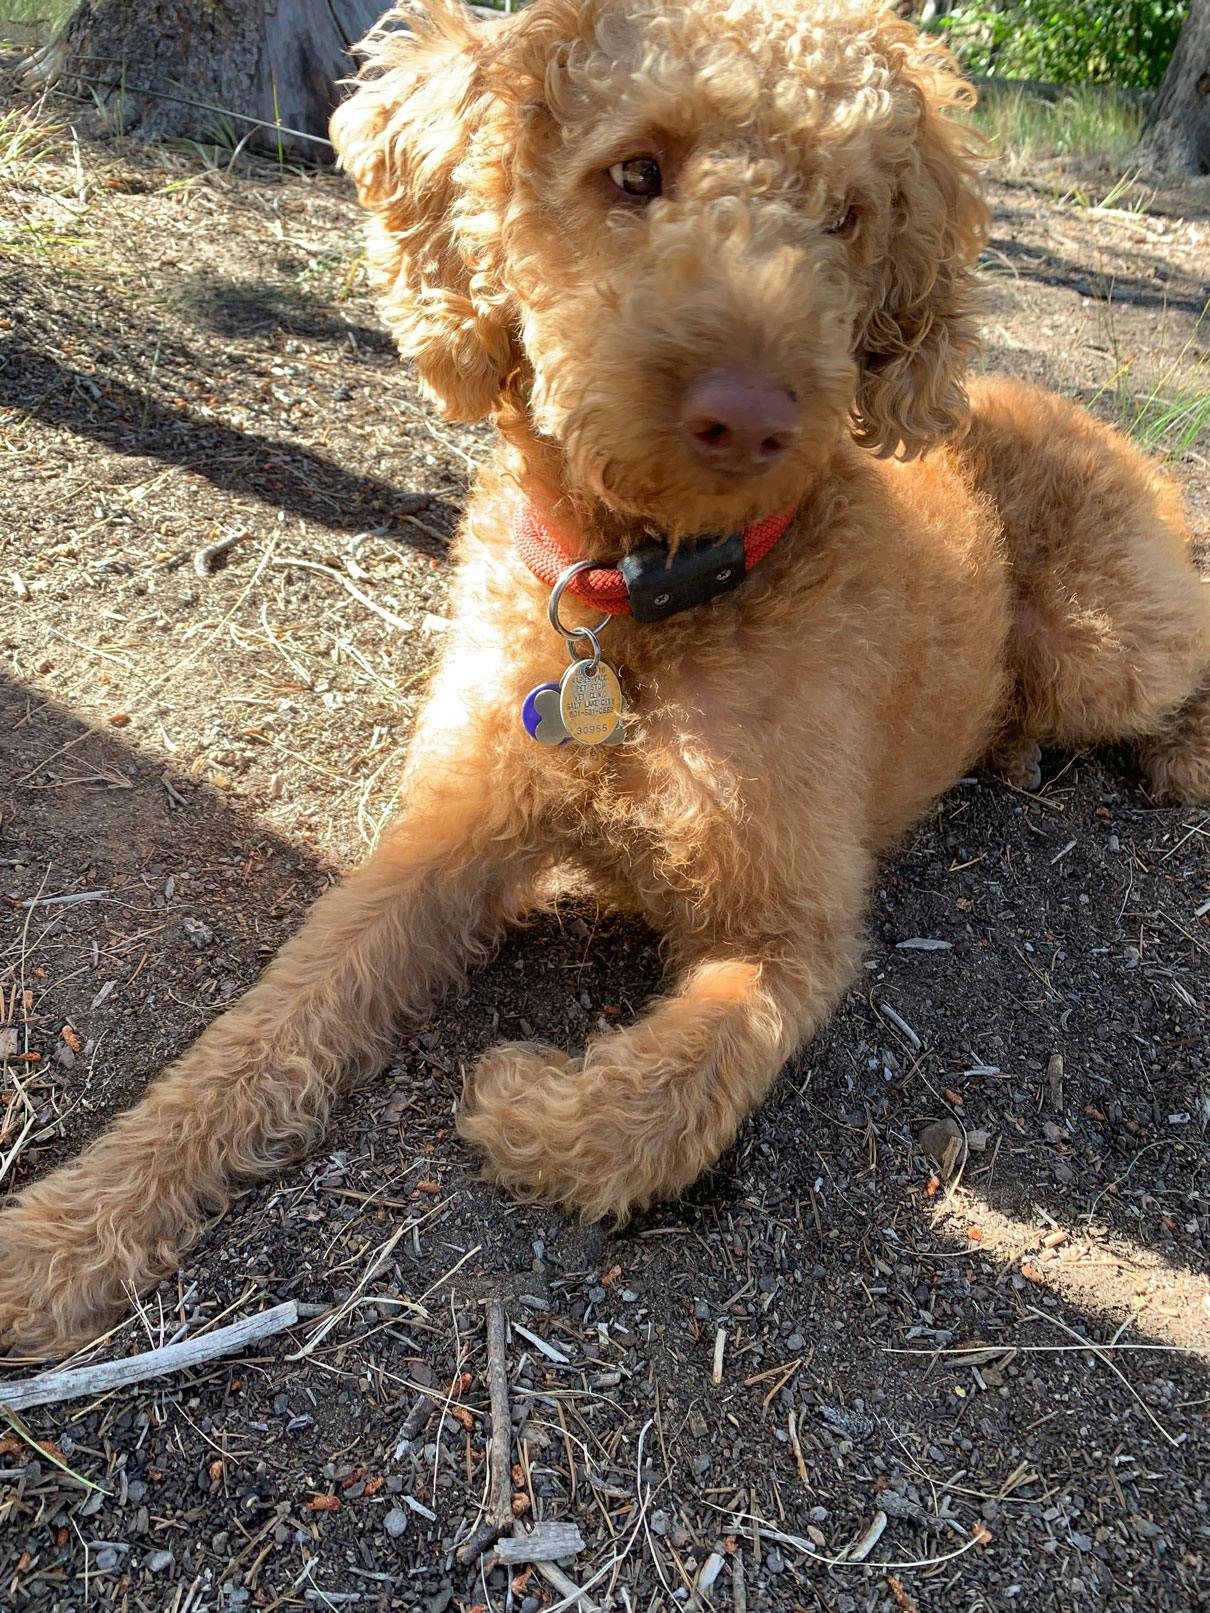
[{"x": 548, "y": 555}]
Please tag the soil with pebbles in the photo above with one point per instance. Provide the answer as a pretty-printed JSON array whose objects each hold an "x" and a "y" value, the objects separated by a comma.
[{"x": 998, "y": 1146}]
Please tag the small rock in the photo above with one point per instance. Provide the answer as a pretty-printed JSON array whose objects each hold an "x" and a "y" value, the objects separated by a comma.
[
  {"x": 199, "y": 934},
  {"x": 775, "y": 1563},
  {"x": 105, "y": 1560},
  {"x": 660, "y": 1522},
  {"x": 395, "y": 1522},
  {"x": 942, "y": 1141},
  {"x": 158, "y": 1561},
  {"x": 795, "y": 1343}
]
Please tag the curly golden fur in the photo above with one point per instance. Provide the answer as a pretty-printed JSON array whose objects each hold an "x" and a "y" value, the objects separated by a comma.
[{"x": 960, "y": 577}]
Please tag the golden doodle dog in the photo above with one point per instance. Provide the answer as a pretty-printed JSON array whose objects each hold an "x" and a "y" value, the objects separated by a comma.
[{"x": 708, "y": 265}]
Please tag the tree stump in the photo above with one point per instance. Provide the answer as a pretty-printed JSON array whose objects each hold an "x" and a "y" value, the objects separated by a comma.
[
  {"x": 194, "y": 68},
  {"x": 1176, "y": 142}
]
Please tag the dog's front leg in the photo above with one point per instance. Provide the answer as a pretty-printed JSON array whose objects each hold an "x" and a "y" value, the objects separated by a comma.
[
  {"x": 255, "y": 1090},
  {"x": 647, "y": 1109}
]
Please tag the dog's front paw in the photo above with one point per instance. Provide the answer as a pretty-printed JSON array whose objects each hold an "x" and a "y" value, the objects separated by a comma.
[
  {"x": 519, "y": 1109},
  {"x": 60, "y": 1283},
  {"x": 539, "y": 1117},
  {"x": 38, "y": 1313}
]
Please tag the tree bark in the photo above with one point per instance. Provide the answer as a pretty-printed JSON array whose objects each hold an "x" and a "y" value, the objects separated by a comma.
[
  {"x": 183, "y": 68},
  {"x": 1177, "y": 138}
]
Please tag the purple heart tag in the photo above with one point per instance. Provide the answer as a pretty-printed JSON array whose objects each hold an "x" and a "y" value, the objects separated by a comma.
[{"x": 540, "y": 715}]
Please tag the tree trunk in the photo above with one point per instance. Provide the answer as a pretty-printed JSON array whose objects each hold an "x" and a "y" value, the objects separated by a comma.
[
  {"x": 182, "y": 68},
  {"x": 1177, "y": 138}
]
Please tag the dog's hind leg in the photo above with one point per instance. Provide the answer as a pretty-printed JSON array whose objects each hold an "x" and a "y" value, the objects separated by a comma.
[
  {"x": 256, "y": 1089},
  {"x": 647, "y": 1109},
  {"x": 1111, "y": 634},
  {"x": 1176, "y": 760}
]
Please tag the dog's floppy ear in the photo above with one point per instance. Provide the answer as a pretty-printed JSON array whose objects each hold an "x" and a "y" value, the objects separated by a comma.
[
  {"x": 408, "y": 135},
  {"x": 913, "y": 350}
]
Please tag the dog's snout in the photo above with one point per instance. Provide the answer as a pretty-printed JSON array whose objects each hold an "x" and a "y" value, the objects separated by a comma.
[{"x": 736, "y": 424}]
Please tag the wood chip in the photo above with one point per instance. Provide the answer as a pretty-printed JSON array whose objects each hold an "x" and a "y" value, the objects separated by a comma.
[
  {"x": 720, "y": 1346},
  {"x": 1054, "y": 1077},
  {"x": 544, "y": 1543},
  {"x": 864, "y": 1544}
]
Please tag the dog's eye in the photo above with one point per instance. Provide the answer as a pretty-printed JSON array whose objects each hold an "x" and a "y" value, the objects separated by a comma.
[
  {"x": 845, "y": 221},
  {"x": 638, "y": 176}
]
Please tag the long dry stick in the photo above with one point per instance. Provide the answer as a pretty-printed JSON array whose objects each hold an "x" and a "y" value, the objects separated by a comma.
[
  {"x": 500, "y": 1511},
  {"x": 49, "y": 1387}
]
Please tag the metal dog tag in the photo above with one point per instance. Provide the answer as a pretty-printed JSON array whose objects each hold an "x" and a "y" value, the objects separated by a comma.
[
  {"x": 590, "y": 702},
  {"x": 540, "y": 715}
]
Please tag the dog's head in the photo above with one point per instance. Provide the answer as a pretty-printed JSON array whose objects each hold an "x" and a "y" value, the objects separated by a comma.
[{"x": 685, "y": 242}]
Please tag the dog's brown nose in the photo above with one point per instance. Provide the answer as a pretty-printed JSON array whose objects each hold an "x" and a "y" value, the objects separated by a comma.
[{"x": 737, "y": 425}]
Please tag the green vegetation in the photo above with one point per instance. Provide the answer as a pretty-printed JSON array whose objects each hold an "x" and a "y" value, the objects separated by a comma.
[
  {"x": 29, "y": 22},
  {"x": 1172, "y": 413},
  {"x": 1066, "y": 41}
]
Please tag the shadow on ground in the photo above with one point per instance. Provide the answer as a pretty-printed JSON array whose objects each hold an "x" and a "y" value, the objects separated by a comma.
[{"x": 815, "y": 1253}]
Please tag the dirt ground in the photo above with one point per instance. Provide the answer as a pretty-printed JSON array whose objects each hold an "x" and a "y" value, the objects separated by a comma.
[{"x": 834, "y": 1330}]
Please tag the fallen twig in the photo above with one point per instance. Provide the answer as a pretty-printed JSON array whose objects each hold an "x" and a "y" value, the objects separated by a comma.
[
  {"x": 349, "y": 588},
  {"x": 1099, "y": 1352},
  {"x": 500, "y": 1511},
  {"x": 979, "y": 1538},
  {"x": 900, "y": 1024},
  {"x": 47, "y": 1388},
  {"x": 68, "y": 900},
  {"x": 572, "y": 1594},
  {"x": 206, "y": 559},
  {"x": 548, "y": 1350},
  {"x": 720, "y": 1346},
  {"x": 422, "y": 1409},
  {"x": 977, "y": 1354}
]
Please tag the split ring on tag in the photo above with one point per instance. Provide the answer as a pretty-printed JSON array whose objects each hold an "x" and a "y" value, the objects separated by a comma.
[{"x": 570, "y": 634}]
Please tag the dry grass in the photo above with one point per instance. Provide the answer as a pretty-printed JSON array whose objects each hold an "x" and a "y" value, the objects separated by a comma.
[{"x": 1087, "y": 124}]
